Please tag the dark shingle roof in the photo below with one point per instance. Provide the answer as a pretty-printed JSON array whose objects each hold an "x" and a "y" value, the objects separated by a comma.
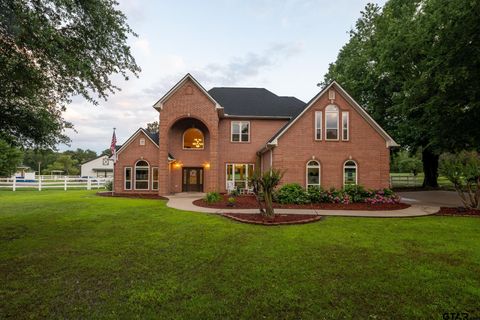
[{"x": 257, "y": 102}]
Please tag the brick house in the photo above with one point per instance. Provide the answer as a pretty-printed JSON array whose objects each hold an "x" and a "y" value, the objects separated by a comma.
[{"x": 214, "y": 140}]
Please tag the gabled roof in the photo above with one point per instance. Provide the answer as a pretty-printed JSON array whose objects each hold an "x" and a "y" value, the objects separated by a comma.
[
  {"x": 159, "y": 104},
  {"x": 256, "y": 102},
  {"x": 389, "y": 140},
  {"x": 140, "y": 130}
]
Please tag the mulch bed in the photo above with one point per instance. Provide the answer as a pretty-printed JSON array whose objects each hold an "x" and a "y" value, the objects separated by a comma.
[
  {"x": 458, "y": 211},
  {"x": 276, "y": 220},
  {"x": 131, "y": 195},
  {"x": 249, "y": 202}
]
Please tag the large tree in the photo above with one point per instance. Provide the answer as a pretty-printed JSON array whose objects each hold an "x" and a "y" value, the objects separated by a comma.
[
  {"x": 50, "y": 51},
  {"x": 415, "y": 65},
  {"x": 10, "y": 158}
]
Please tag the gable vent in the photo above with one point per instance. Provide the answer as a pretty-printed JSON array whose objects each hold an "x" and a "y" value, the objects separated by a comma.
[{"x": 331, "y": 94}]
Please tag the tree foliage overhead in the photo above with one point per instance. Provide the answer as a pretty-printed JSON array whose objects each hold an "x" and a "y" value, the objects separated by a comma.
[
  {"x": 415, "y": 66},
  {"x": 50, "y": 51}
]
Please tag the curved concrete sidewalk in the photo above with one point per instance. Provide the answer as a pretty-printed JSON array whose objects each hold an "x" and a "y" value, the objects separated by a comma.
[{"x": 184, "y": 201}]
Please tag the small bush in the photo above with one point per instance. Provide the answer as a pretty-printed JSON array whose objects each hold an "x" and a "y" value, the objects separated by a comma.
[
  {"x": 231, "y": 200},
  {"x": 213, "y": 197},
  {"x": 292, "y": 193},
  {"x": 317, "y": 195},
  {"x": 357, "y": 193},
  {"x": 109, "y": 185}
]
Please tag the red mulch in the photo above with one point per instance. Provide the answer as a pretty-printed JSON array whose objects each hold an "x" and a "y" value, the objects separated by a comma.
[
  {"x": 249, "y": 202},
  {"x": 131, "y": 195},
  {"x": 278, "y": 219},
  {"x": 458, "y": 211}
]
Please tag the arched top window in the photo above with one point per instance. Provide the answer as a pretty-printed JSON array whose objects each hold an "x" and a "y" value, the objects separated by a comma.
[
  {"x": 331, "y": 122},
  {"x": 142, "y": 170},
  {"x": 350, "y": 176},
  {"x": 193, "y": 139},
  {"x": 141, "y": 163},
  {"x": 313, "y": 174}
]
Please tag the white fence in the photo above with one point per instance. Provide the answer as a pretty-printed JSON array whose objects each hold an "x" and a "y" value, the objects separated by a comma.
[{"x": 54, "y": 182}]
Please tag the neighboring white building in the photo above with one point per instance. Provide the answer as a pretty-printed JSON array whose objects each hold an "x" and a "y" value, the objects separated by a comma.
[{"x": 100, "y": 167}]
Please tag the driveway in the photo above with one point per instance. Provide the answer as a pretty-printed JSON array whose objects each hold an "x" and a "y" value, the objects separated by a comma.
[{"x": 431, "y": 198}]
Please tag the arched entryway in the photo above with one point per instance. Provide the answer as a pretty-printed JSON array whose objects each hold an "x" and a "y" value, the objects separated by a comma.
[{"x": 189, "y": 144}]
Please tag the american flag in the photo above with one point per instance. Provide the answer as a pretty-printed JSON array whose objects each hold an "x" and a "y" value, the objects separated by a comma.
[{"x": 113, "y": 144}]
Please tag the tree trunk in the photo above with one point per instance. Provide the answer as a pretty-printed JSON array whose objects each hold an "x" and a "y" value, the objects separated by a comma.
[
  {"x": 430, "y": 169},
  {"x": 268, "y": 204}
]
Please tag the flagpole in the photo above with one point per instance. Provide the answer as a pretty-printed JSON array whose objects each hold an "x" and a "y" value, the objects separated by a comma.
[{"x": 114, "y": 156}]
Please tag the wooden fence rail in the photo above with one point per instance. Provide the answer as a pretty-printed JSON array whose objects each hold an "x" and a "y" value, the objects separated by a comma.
[{"x": 65, "y": 183}]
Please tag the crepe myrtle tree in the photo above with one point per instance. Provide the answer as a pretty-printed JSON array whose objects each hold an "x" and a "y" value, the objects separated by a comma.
[
  {"x": 463, "y": 170},
  {"x": 263, "y": 187}
]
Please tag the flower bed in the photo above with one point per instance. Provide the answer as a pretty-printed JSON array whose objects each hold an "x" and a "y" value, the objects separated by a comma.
[
  {"x": 131, "y": 195},
  {"x": 458, "y": 211},
  {"x": 249, "y": 202},
  {"x": 278, "y": 219}
]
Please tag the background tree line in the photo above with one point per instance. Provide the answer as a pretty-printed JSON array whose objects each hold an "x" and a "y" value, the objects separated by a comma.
[{"x": 415, "y": 66}]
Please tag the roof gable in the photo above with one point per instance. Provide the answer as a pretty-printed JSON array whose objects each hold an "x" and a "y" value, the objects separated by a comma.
[
  {"x": 159, "y": 104},
  {"x": 132, "y": 138},
  {"x": 389, "y": 140}
]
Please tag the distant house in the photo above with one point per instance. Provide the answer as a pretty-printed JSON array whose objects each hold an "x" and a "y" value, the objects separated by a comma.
[
  {"x": 214, "y": 140},
  {"x": 100, "y": 167}
]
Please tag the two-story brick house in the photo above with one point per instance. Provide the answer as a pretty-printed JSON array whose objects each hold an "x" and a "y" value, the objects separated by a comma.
[{"x": 214, "y": 140}]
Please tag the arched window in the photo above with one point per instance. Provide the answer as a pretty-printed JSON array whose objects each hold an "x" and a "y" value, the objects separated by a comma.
[
  {"x": 313, "y": 173},
  {"x": 193, "y": 139},
  {"x": 142, "y": 172},
  {"x": 331, "y": 122},
  {"x": 350, "y": 176}
]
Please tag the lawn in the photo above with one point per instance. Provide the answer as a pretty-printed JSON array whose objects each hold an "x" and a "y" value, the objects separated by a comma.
[{"x": 76, "y": 255}]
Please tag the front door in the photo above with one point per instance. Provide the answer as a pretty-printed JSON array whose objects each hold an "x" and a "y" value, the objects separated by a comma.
[{"x": 192, "y": 179}]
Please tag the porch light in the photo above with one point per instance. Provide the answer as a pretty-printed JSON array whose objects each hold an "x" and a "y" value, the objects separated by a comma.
[
  {"x": 177, "y": 165},
  {"x": 207, "y": 165}
]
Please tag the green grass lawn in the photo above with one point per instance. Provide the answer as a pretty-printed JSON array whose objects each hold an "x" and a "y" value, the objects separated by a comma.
[{"x": 76, "y": 255}]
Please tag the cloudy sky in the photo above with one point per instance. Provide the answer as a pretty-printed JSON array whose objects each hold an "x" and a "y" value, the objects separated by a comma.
[{"x": 284, "y": 46}]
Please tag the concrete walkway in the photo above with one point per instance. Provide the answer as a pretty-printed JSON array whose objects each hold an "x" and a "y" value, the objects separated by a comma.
[{"x": 183, "y": 201}]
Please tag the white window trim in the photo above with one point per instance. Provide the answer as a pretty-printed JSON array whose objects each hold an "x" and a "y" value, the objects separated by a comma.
[
  {"x": 233, "y": 172},
  {"x": 318, "y": 114},
  {"x": 338, "y": 120},
  {"x": 153, "y": 180},
  {"x": 356, "y": 171},
  {"x": 135, "y": 175},
  {"x": 319, "y": 166},
  {"x": 240, "y": 125},
  {"x": 125, "y": 180},
  {"x": 347, "y": 114},
  {"x": 183, "y": 140}
]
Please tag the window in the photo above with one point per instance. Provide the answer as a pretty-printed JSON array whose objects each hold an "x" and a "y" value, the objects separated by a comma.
[
  {"x": 240, "y": 131},
  {"x": 141, "y": 175},
  {"x": 154, "y": 178},
  {"x": 331, "y": 123},
  {"x": 193, "y": 139},
  {"x": 345, "y": 120},
  {"x": 318, "y": 125},
  {"x": 238, "y": 174},
  {"x": 350, "y": 176},
  {"x": 313, "y": 173},
  {"x": 128, "y": 179}
]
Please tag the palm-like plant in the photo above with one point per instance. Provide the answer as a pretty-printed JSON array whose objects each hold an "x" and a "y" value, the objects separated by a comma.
[{"x": 265, "y": 184}]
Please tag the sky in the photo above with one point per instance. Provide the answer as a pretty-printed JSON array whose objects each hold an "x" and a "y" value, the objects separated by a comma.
[{"x": 284, "y": 46}]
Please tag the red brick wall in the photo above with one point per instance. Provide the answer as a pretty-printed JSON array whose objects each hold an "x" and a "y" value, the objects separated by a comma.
[
  {"x": 129, "y": 156},
  {"x": 187, "y": 102},
  {"x": 243, "y": 152},
  {"x": 297, "y": 146}
]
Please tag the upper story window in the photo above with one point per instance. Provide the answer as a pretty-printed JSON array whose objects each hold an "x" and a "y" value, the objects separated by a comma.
[
  {"x": 193, "y": 139},
  {"x": 240, "y": 131},
  {"x": 345, "y": 125},
  {"x": 331, "y": 122},
  {"x": 318, "y": 125}
]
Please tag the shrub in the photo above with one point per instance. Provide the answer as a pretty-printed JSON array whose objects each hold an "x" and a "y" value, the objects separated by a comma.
[
  {"x": 231, "y": 201},
  {"x": 463, "y": 170},
  {"x": 213, "y": 197},
  {"x": 292, "y": 193},
  {"x": 357, "y": 193},
  {"x": 109, "y": 185}
]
